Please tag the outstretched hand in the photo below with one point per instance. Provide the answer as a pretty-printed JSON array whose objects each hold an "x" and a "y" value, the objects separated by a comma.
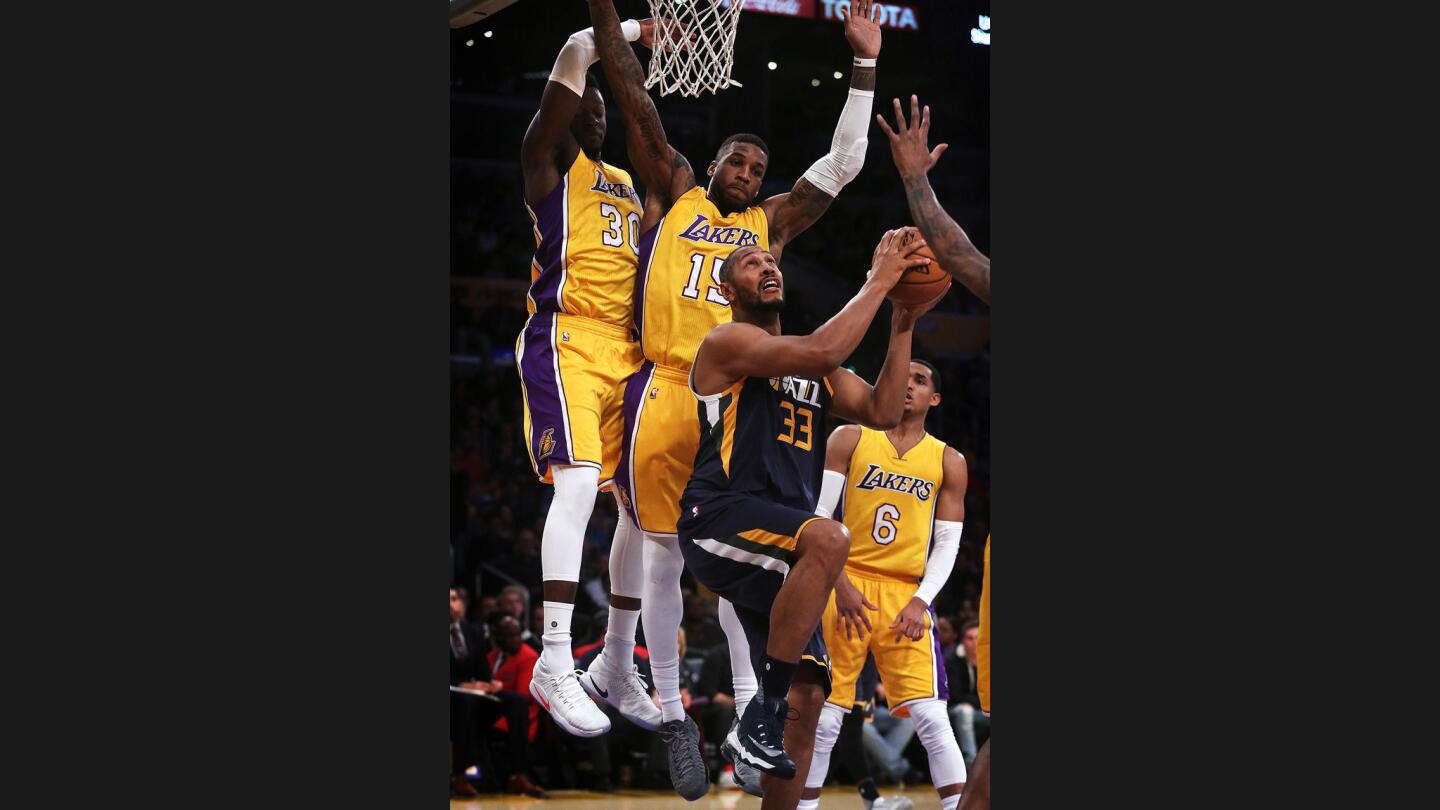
[
  {"x": 861, "y": 29},
  {"x": 909, "y": 141}
]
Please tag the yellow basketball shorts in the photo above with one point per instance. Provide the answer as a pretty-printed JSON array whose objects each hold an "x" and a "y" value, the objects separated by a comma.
[
  {"x": 982, "y": 643},
  {"x": 910, "y": 670},
  {"x": 572, "y": 376},
  {"x": 662, "y": 435}
]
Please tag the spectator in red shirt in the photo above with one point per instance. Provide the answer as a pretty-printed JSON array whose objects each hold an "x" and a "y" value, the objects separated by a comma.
[{"x": 512, "y": 664}]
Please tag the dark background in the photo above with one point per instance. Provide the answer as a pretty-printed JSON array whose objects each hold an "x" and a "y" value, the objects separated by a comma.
[{"x": 226, "y": 406}]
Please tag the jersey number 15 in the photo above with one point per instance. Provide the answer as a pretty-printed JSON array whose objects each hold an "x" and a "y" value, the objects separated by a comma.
[{"x": 712, "y": 291}]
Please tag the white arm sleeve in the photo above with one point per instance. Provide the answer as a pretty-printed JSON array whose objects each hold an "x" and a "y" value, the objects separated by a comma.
[
  {"x": 942, "y": 559},
  {"x": 847, "y": 149},
  {"x": 580, "y": 53},
  {"x": 831, "y": 485}
]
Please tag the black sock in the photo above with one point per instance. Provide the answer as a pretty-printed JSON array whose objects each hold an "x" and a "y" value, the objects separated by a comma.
[
  {"x": 775, "y": 677},
  {"x": 868, "y": 789}
]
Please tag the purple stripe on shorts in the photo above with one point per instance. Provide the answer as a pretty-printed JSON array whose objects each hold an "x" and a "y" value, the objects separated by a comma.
[
  {"x": 635, "y": 388},
  {"x": 550, "y": 216},
  {"x": 941, "y": 679},
  {"x": 543, "y": 393},
  {"x": 647, "y": 253}
]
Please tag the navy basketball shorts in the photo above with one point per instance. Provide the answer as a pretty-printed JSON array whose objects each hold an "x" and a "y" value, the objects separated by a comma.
[{"x": 741, "y": 547}]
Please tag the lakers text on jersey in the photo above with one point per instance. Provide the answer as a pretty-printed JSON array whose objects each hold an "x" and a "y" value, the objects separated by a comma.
[
  {"x": 578, "y": 348},
  {"x": 678, "y": 302},
  {"x": 889, "y": 509}
]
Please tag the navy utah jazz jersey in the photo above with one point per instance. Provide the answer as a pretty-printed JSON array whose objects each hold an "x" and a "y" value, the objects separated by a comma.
[{"x": 761, "y": 437}]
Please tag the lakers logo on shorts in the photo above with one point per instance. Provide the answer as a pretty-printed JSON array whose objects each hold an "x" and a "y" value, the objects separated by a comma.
[{"x": 547, "y": 442}]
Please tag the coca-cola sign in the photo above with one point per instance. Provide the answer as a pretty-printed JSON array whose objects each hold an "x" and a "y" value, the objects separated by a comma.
[
  {"x": 888, "y": 15},
  {"x": 789, "y": 8}
]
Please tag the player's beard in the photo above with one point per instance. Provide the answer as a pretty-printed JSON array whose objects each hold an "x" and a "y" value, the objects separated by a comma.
[{"x": 756, "y": 303}]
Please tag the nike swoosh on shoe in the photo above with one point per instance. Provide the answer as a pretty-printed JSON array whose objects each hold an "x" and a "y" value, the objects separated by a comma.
[{"x": 769, "y": 752}]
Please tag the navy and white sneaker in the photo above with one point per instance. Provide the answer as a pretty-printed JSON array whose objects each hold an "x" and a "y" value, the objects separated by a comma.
[
  {"x": 747, "y": 776},
  {"x": 762, "y": 736}
]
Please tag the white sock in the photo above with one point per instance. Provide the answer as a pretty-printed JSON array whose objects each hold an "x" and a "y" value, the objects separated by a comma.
[
  {"x": 620, "y": 639},
  {"x": 808, "y": 804},
  {"x": 662, "y": 608},
  {"x": 557, "y": 654},
  {"x": 950, "y": 802},
  {"x": 741, "y": 670}
]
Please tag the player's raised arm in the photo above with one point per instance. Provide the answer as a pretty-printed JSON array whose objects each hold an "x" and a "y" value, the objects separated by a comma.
[
  {"x": 881, "y": 406},
  {"x": 665, "y": 173},
  {"x": 549, "y": 146},
  {"x": 909, "y": 146},
  {"x": 737, "y": 349},
  {"x": 794, "y": 211},
  {"x": 949, "y": 523}
]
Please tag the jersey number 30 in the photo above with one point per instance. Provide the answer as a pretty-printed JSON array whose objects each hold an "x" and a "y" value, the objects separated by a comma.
[{"x": 615, "y": 236}]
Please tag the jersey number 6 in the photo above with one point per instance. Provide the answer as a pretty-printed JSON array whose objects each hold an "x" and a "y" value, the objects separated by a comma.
[{"x": 884, "y": 530}]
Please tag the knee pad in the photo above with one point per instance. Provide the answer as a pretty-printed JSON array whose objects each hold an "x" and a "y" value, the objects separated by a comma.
[
  {"x": 574, "y": 500},
  {"x": 627, "y": 557},
  {"x": 932, "y": 726},
  {"x": 828, "y": 729}
]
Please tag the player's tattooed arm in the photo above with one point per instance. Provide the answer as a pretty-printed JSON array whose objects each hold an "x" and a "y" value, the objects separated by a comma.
[
  {"x": 662, "y": 170},
  {"x": 791, "y": 213},
  {"x": 953, "y": 249},
  {"x": 913, "y": 159}
]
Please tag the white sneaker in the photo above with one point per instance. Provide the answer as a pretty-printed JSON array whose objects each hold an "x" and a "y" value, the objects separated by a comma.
[
  {"x": 626, "y": 692},
  {"x": 561, "y": 695},
  {"x": 893, "y": 803}
]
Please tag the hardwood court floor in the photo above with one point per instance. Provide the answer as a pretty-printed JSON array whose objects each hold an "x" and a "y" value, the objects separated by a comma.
[{"x": 834, "y": 798}]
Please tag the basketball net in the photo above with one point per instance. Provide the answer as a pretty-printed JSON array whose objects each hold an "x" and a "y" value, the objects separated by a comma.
[{"x": 694, "y": 45}]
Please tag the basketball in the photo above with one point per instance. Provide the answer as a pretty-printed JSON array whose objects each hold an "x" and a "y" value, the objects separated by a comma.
[{"x": 920, "y": 284}]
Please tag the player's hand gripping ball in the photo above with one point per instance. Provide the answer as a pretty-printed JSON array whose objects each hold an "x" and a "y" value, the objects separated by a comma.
[{"x": 921, "y": 284}]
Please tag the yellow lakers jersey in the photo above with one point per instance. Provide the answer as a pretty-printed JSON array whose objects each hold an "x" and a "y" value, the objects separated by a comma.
[
  {"x": 587, "y": 245},
  {"x": 679, "y": 298},
  {"x": 890, "y": 505}
]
